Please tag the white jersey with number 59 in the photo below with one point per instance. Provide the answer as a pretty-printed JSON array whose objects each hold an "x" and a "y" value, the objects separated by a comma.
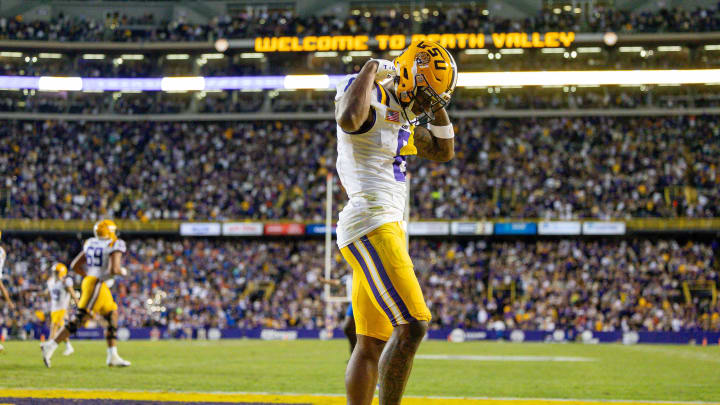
[
  {"x": 59, "y": 295},
  {"x": 97, "y": 255},
  {"x": 371, "y": 164}
]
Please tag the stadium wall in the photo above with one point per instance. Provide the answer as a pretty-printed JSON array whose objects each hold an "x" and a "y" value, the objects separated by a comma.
[{"x": 465, "y": 227}]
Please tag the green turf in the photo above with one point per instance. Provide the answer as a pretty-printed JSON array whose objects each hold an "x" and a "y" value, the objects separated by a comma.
[{"x": 688, "y": 373}]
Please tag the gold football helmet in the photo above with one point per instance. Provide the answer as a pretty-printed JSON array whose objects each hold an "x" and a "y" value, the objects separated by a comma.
[
  {"x": 59, "y": 269},
  {"x": 427, "y": 73},
  {"x": 105, "y": 229}
]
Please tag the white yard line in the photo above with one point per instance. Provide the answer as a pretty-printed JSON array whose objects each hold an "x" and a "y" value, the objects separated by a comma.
[{"x": 503, "y": 358}]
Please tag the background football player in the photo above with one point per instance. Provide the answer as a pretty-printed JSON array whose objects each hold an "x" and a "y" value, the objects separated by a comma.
[
  {"x": 380, "y": 114},
  {"x": 60, "y": 289},
  {"x": 102, "y": 257},
  {"x": 5, "y": 293}
]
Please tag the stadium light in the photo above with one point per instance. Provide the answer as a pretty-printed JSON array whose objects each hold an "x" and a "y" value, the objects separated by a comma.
[
  {"x": 93, "y": 56},
  {"x": 631, "y": 49},
  {"x": 712, "y": 47},
  {"x": 360, "y": 53},
  {"x": 222, "y": 45},
  {"x": 11, "y": 54},
  {"x": 589, "y": 77},
  {"x": 589, "y": 49},
  {"x": 212, "y": 55},
  {"x": 670, "y": 48},
  {"x": 252, "y": 55},
  {"x": 512, "y": 51},
  {"x": 182, "y": 83},
  {"x": 49, "y": 83},
  {"x": 482, "y": 51},
  {"x": 610, "y": 38},
  {"x": 133, "y": 56},
  {"x": 552, "y": 50},
  {"x": 306, "y": 82},
  {"x": 177, "y": 56},
  {"x": 45, "y": 55},
  {"x": 328, "y": 82}
]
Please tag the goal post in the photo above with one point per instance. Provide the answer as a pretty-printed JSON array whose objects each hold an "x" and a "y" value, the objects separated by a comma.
[{"x": 330, "y": 300}]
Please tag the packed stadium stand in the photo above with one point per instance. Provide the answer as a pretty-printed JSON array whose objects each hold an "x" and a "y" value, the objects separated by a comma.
[
  {"x": 156, "y": 158},
  {"x": 598, "y": 285},
  {"x": 469, "y": 17},
  {"x": 553, "y": 168}
]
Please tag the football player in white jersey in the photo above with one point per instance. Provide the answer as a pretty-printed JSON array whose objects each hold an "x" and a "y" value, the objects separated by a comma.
[
  {"x": 5, "y": 293},
  {"x": 102, "y": 259},
  {"x": 381, "y": 113},
  {"x": 60, "y": 289}
]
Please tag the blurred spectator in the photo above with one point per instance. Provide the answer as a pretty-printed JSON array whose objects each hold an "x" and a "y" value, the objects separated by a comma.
[
  {"x": 607, "y": 285},
  {"x": 454, "y": 18},
  {"x": 554, "y": 168}
]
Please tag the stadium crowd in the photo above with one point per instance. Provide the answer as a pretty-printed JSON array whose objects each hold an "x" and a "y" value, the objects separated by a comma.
[
  {"x": 600, "y": 285},
  {"x": 466, "y": 18},
  {"x": 554, "y": 168}
]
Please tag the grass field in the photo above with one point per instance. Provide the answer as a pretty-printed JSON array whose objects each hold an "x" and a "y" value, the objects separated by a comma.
[{"x": 603, "y": 372}]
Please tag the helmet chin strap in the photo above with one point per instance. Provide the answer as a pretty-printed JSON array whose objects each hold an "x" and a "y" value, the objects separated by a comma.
[{"x": 405, "y": 111}]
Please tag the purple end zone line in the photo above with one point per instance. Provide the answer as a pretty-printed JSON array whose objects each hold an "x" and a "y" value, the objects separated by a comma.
[
  {"x": 154, "y": 83},
  {"x": 75, "y": 401}
]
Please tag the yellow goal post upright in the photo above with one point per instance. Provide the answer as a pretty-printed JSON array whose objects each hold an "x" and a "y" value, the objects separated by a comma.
[{"x": 330, "y": 300}]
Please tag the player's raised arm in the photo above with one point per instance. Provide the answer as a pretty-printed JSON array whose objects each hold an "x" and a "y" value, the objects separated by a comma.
[
  {"x": 353, "y": 107},
  {"x": 77, "y": 264},
  {"x": 437, "y": 142}
]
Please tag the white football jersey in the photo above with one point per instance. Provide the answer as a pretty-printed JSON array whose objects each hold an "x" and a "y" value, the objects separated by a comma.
[
  {"x": 59, "y": 295},
  {"x": 97, "y": 255},
  {"x": 371, "y": 164},
  {"x": 2, "y": 261}
]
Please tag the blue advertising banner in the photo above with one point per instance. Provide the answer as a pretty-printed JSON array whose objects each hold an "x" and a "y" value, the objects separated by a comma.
[
  {"x": 453, "y": 335},
  {"x": 318, "y": 229},
  {"x": 515, "y": 228}
]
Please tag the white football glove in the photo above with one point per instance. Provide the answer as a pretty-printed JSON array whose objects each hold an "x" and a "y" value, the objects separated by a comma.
[
  {"x": 385, "y": 69},
  {"x": 123, "y": 271}
]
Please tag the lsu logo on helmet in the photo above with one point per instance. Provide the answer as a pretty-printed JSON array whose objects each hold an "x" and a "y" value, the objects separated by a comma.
[{"x": 428, "y": 69}]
